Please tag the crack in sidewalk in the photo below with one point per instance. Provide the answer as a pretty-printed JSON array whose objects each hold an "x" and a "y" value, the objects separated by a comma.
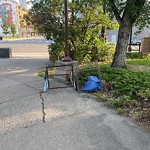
[{"x": 43, "y": 107}]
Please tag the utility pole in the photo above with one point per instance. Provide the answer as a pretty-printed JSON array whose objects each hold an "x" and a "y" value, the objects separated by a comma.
[
  {"x": 66, "y": 56},
  {"x": 130, "y": 40}
]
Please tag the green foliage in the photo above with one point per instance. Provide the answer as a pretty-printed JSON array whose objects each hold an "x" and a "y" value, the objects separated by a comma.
[
  {"x": 137, "y": 55},
  {"x": 127, "y": 82},
  {"x": 55, "y": 51},
  {"x": 133, "y": 84},
  {"x": 145, "y": 94},
  {"x": 124, "y": 101},
  {"x": 105, "y": 52},
  {"x": 139, "y": 62},
  {"x": 85, "y": 21},
  {"x": 137, "y": 10},
  {"x": 13, "y": 29},
  {"x": 144, "y": 18},
  {"x": 5, "y": 29},
  {"x": 146, "y": 56},
  {"x": 122, "y": 111},
  {"x": 121, "y": 101}
]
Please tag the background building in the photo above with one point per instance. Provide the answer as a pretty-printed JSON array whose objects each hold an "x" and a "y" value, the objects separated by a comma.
[
  {"x": 8, "y": 14},
  {"x": 12, "y": 13},
  {"x": 112, "y": 35},
  {"x": 26, "y": 4},
  {"x": 23, "y": 3}
]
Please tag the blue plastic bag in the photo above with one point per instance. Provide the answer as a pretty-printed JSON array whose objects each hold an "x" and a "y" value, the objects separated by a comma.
[
  {"x": 93, "y": 78},
  {"x": 93, "y": 83}
]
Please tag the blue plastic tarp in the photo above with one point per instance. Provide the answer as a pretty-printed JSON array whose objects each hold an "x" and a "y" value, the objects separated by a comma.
[{"x": 93, "y": 83}]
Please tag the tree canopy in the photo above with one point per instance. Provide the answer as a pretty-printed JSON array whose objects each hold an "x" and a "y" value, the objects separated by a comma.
[
  {"x": 13, "y": 29},
  {"x": 144, "y": 18},
  {"x": 85, "y": 21},
  {"x": 5, "y": 29}
]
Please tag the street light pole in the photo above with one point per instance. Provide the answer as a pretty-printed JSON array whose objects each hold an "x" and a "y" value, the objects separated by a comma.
[{"x": 66, "y": 56}]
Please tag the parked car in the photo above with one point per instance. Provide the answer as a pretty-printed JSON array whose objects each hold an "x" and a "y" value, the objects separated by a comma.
[{"x": 136, "y": 42}]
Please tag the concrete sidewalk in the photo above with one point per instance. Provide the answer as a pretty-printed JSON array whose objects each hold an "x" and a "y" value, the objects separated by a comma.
[{"x": 59, "y": 119}]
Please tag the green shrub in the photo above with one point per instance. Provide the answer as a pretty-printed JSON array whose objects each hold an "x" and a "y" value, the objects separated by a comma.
[
  {"x": 146, "y": 55},
  {"x": 118, "y": 103},
  {"x": 127, "y": 82},
  {"x": 122, "y": 111},
  {"x": 124, "y": 101},
  {"x": 105, "y": 52},
  {"x": 55, "y": 51},
  {"x": 135, "y": 55},
  {"x": 96, "y": 49},
  {"x": 133, "y": 84}
]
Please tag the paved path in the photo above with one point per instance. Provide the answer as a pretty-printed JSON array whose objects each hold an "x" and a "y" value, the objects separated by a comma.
[
  {"x": 18, "y": 77},
  {"x": 59, "y": 119},
  {"x": 27, "y": 49}
]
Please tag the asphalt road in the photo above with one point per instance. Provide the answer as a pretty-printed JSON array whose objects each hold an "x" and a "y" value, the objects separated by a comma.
[
  {"x": 37, "y": 47},
  {"x": 33, "y": 40}
]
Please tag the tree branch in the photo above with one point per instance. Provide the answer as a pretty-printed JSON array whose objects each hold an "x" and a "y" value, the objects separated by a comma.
[
  {"x": 115, "y": 10},
  {"x": 133, "y": 9}
]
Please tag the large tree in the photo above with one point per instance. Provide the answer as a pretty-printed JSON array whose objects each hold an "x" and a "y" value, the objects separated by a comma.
[
  {"x": 126, "y": 13},
  {"x": 85, "y": 20}
]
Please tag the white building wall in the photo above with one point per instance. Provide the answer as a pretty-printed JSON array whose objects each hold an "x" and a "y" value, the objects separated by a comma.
[
  {"x": 112, "y": 35},
  {"x": 29, "y": 4},
  {"x": 8, "y": 13},
  {"x": 26, "y": 4}
]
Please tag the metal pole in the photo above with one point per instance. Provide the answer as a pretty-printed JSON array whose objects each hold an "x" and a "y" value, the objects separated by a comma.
[
  {"x": 130, "y": 40},
  {"x": 66, "y": 57}
]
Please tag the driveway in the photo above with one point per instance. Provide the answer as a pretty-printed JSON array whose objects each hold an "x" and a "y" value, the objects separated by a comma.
[{"x": 59, "y": 119}]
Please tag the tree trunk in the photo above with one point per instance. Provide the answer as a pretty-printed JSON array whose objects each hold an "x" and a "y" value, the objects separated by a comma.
[
  {"x": 103, "y": 32},
  {"x": 119, "y": 59}
]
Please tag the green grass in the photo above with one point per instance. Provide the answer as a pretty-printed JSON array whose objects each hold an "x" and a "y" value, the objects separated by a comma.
[
  {"x": 139, "y": 62},
  {"x": 10, "y": 37},
  {"x": 41, "y": 74},
  {"x": 139, "y": 65}
]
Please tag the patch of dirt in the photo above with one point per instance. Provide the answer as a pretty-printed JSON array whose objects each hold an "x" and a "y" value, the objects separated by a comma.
[{"x": 140, "y": 113}]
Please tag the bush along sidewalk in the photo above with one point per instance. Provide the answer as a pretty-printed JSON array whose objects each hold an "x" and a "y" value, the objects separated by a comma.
[
  {"x": 134, "y": 84},
  {"x": 126, "y": 90}
]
